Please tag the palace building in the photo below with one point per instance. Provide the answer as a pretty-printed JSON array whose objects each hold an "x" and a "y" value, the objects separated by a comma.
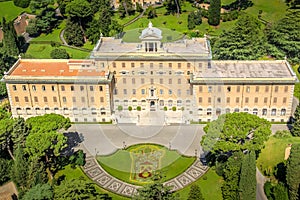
[{"x": 152, "y": 76}]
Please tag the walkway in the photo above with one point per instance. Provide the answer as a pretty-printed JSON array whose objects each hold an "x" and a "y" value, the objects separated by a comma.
[{"x": 110, "y": 183}]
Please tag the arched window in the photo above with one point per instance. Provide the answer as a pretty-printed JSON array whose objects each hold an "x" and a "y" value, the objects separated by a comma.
[
  {"x": 255, "y": 111},
  {"x": 273, "y": 112},
  {"x": 227, "y": 110},
  {"x": 208, "y": 111},
  {"x": 283, "y": 112},
  {"x": 236, "y": 110}
]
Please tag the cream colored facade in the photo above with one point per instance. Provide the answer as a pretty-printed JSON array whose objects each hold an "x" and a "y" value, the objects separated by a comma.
[{"x": 154, "y": 76}]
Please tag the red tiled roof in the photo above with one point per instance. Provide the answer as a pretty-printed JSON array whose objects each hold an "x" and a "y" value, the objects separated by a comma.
[{"x": 52, "y": 68}]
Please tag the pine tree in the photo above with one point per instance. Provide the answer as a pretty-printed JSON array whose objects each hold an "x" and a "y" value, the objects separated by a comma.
[
  {"x": 195, "y": 193},
  {"x": 292, "y": 172},
  {"x": 247, "y": 184},
  {"x": 214, "y": 12},
  {"x": 19, "y": 170}
]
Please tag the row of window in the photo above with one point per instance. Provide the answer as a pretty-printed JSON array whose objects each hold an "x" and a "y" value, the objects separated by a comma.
[
  {"x": 64, "y": 99},
  {"x": 124, "y": 72},
  {"x": 161, "y": 81},
  {"x": 237, "y": 100},
  {"x": 161, "y": 92},
  {"x": 75, "y": 111},
  {"x": 264, "y": 111},
  {"x": 247, "y": 89},
  {"x": 151, "y": 65},
  {"x": 62, "y": 88}
]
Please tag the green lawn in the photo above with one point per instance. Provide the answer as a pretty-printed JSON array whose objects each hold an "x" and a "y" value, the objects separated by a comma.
[
  {"x": 273, "y": 10},
  {"x": 53, "y": 36},
  {"x": 297, "y": 85},
  {"x": 126, "y": 19},
  {"x": 226, "y": 2},
  {"x": 119, "y": 164},
  {"x": 43, "y": 51},
  {"x": 210, "y": 186},
  {"x": 71, "y": 173},
  {"x": 10, "y": 11},
  {"x": 273, "y": 153}
]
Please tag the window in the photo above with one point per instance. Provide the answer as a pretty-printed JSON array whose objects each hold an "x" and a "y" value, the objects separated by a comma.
[
  {"x": 200, "y": 88},
  {"x": 14, "y": 87},
  {"x": 283, "y": 112},
  {"x": 236, "y": 110},
  {"x": 124, "y": 80},
  {"x": 209, "y": 100},
  {"x": 114, "y": 65},
  {"x": 170, "y": 103},
  {"x": 170, "y": 65},
  {"x": 228, "y": 100},
  {"x": 247, "y": 100},
  {"x": 209, "y": 89},
  {"x": 179, "y": 81},
  {"x": 256, "y": 100},
  {"x": 36, "y": 99},
  {"x": 247, "y": 89},
  {"x": 16, "y": 99},
  {"x": 82, "y": 99},
  {"x": 219, "y": 88},
  {"x": 188, "y": 65},
  {"x": 284, "y": 100},
  {"x": 64, "y": 99},
  {"x": 179, "y": 65},
  {"x": 275, "y": 100},
  {"x": 72, "y": 88},
  {"x": 101, "y": 99},
  {"x": 73, "y": 99},
  {"x": 141, "y": 65},
  {"x": 161, "y": 91},
  {"x": 208, "y": 111},
  {"x": 218, "y": 111},
  {"x": 161, "y": 81},
  {"x": 53, "y": 88},
  {"x": 100, "y": 88},
  {"x": 26, "y": 99},
  {"x": 143, "y": 91},
  {"x": 151, "y": 80},
  {"x": 45, "y": 99},
  {"x": 24, "y": 87},
  {"x": 133, "y": 80},
  {"x": 266, "y": 100},
  {"x": 33, "y": 88},
  {"x": 170, "y": 81},
  {"x": 43, "y": 88},
  {"x": 237, "y": 100},
  {"x": 151, "y": 65},
  {"x": 92, "y": 99},
  {"x": 123, "y": 65},
  {"x": 228, "y": 89},
  {"x": 227, "y": 110},
  {"x": 142, "y": 81},
  {"x": 91, "y": 88},
  {"x": 257, "y": 89},
  {"x": 62, "y": 88},
  {"x": 200, "y": 99},
  {"x": 161, "y": 102},
  {"x": 238, "y": 88},
  {"x": 219, "y": 100},
  {"x": 170, "y": 92},
  {"x": 54, "y": 99},
  {"x": 125, "y": 91},
  {"x": 255, "y": 111},
  {"x": 286, "y": 88},
  {"x": 264, "y": 111},
  {"x": 81, "y": 88},
  {"x": 276, "y": 89},
  {"x": 132, "y": 64},
  {"x": 179, "y": 92},
  {"x": 267, "y": 89},
  {"x": 160, "y": 65},
  {"x": 273, "y": 112}
]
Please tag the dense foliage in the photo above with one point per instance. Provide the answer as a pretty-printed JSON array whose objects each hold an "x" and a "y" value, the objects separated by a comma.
[
  {"x": 195, "y": 193},
  {"x": 59, "y": 54},
  {"x": 296, "y": 122},
  {"x": 214, "y": 12},
  {"x": 292, "y": 172}
]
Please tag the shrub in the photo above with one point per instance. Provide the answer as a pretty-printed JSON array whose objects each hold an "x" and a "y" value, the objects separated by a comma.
[
  {"x": 120, "y": 108},
  {"x": 283, "y": 134},
  {"x": 59, "y": 54},
  {"x": 165, "y": 108},
  {"x": 129, "y": 108},
  {"x": 174, "y": 108},
  {"x": 138, "y": 108}
]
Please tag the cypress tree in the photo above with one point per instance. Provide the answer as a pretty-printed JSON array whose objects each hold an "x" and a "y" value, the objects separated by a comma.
[
  {"x": 292, "y": 172},
  {"x": 247, "y": 184},
  {"x": 214, "y": 12}
]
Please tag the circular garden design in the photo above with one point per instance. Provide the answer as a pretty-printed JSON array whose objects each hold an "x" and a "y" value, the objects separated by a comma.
[{"x": 138, "y": 163}]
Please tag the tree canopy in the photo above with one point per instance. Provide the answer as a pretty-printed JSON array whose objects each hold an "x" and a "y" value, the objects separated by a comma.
[
  {"x": 236, "y": 132},
  {"x": 59, "y": 54},
  {"x": 292, "y": 172},
  {"x": 214, "y": 12},
  {"x": 245, "y": 41}
]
